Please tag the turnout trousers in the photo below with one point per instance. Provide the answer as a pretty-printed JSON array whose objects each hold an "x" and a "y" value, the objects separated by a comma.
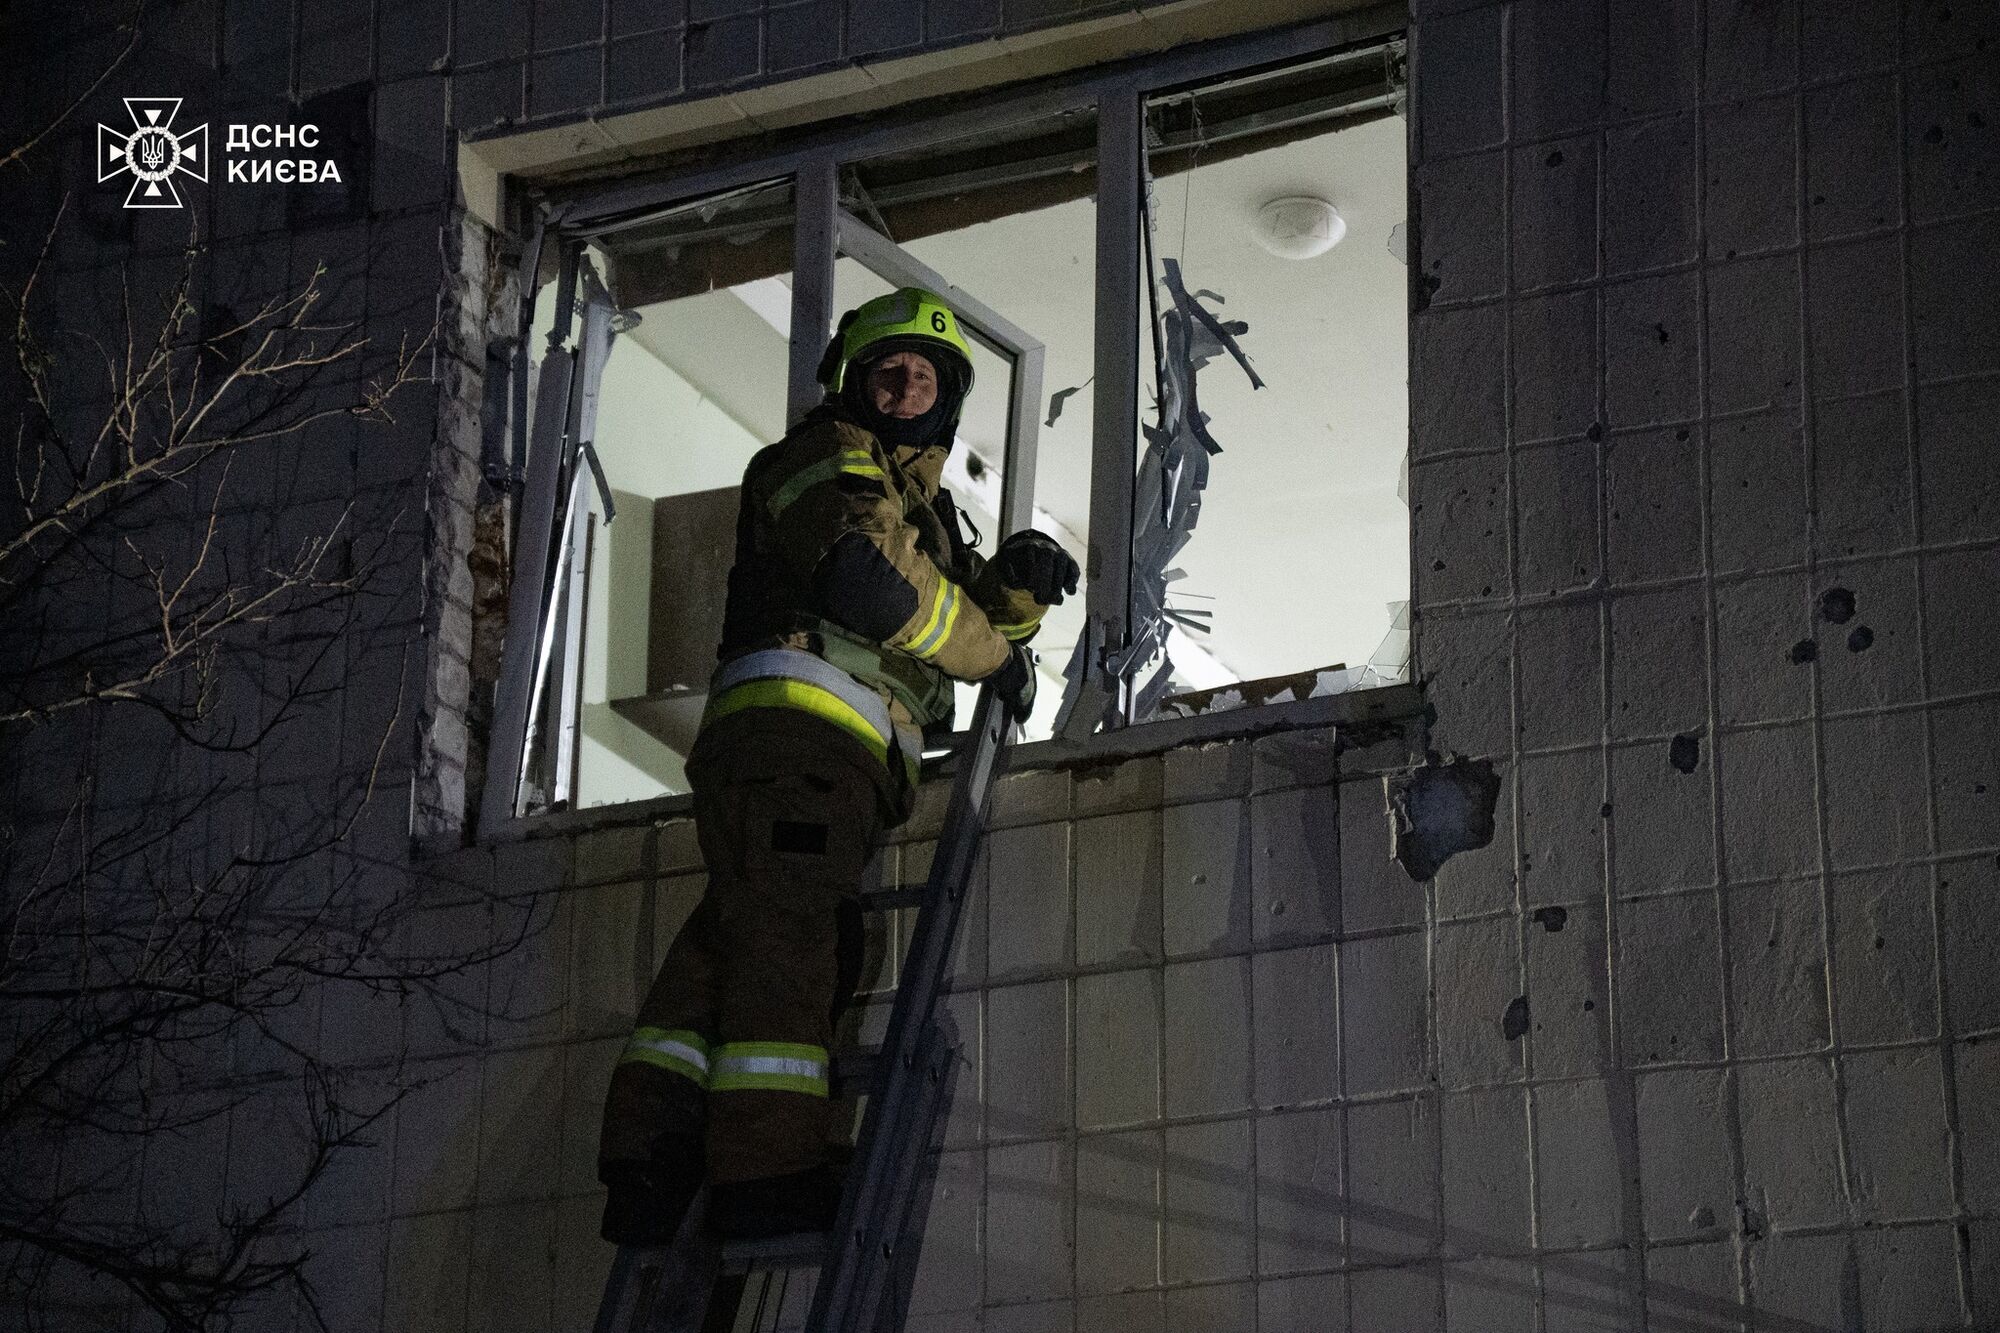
[{"x": 730, "y": 1049}]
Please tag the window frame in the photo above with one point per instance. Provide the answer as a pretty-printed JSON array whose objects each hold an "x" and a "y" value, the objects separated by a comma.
[{"x": 571, "y": 217}]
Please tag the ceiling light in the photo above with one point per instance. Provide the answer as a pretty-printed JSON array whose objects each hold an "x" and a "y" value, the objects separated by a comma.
[{"x": 1299, "y": 227}]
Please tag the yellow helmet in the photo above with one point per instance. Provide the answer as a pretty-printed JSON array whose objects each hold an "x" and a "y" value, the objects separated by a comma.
[{"x": 909, "y": 319}]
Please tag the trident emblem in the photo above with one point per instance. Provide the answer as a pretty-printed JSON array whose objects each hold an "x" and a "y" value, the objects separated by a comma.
[{"x": 152, "y": 152}]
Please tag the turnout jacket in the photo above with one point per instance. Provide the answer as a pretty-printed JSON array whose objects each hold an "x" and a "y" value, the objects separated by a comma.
[{"x": 849, "y": 557}]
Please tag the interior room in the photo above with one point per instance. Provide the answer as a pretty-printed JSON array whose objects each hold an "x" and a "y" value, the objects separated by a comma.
[{"x": 1306, "y": 494}]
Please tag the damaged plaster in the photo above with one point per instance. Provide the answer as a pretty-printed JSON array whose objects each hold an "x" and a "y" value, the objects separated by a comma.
[
  {"x": 1836, "y": 606},
  {"x": 1441, "y": 808}
]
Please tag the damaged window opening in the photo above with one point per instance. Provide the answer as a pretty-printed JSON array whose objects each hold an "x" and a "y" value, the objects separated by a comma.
[
  {"x": 1270, "y": 552},
  {"x": 1178, "y": 376}
]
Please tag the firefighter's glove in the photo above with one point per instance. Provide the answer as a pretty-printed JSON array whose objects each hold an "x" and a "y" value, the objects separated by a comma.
[
  {"x": 1036, "y": 564},
  {"x": 1014, "y": 682}
]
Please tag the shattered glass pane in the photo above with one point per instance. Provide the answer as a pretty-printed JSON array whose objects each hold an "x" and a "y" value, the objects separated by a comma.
[{"x": 1271, "y": 540}]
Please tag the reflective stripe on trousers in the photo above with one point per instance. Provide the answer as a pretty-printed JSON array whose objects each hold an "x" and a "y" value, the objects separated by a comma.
[
  {"x": 770, "y": 1066},
  {"x": 676, "y": 1050}
]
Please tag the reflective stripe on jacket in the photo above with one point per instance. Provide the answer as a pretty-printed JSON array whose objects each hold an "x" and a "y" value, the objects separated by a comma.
[{"x": 794, "y": 678}]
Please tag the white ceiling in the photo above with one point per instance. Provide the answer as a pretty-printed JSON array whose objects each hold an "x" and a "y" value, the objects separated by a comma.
[{"x": 1302, "y": 540}]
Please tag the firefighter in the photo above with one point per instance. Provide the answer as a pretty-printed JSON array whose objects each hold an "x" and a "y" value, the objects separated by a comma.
[{"x": 853, "y": 606}]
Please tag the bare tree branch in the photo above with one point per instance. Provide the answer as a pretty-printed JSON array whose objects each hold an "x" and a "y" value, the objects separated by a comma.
[
  {"x": 21, "y": 151},
  {"x": 153, "y": 929}
]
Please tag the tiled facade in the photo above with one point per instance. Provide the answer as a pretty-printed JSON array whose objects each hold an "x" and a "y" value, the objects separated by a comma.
[
  {"x": 1707, "y": 331},
  {"x": 1120, "y": 1084},
  {"x": 1714, "y": 260}
]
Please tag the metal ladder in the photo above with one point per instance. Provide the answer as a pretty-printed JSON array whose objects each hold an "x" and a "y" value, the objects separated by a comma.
[{"x": 868, "y": 1262}]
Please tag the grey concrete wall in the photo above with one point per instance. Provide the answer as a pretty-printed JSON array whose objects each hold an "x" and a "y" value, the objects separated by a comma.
[
  {"x": 1708, "y": 334},
  {"x": 1710, "y": 337}
]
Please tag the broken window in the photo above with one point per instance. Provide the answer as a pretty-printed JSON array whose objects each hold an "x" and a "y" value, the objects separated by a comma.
[
  {"x": 1270, "y": 537},
  {"x": 693, "y": 389},
  {"x": 1177, "y": 375},
  {"x": 686, "y": 381}
]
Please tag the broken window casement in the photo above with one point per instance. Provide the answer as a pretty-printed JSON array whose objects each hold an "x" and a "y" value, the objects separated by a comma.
[
  {"x": 1215, "y": 432},
  {"x": 1215, "y": 622}
]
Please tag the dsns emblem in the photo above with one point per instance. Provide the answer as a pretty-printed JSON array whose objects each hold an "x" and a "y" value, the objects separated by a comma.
[{"x": 152, "y": 152}]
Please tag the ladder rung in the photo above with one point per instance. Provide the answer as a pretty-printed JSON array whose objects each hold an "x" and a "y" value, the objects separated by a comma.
[
  {"x": 889, "y": 899},
  {"x": 802, "y": 1249}
]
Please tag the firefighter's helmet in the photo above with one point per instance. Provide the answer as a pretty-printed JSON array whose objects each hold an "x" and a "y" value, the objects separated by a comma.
[{"x": 909, "y": 319}]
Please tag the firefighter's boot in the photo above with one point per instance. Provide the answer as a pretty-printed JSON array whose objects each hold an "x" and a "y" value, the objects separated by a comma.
[
  {"x": 775, "y": 1205},
  {"x": 645, "y": 1202}
]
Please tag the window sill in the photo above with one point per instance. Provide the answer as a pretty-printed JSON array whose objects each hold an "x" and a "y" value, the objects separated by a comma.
[{"x": 1384, "y": 705}]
